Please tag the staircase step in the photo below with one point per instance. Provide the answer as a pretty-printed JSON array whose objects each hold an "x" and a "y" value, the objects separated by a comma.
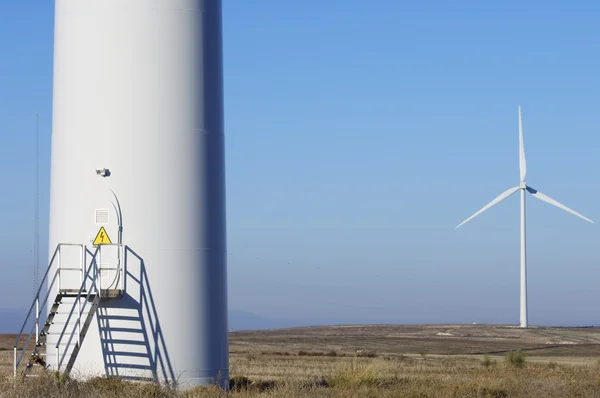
[{"x": 63, "y": 291}]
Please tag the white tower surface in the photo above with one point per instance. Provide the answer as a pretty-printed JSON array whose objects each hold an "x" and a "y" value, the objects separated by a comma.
[{"x": 138, "y": 93}]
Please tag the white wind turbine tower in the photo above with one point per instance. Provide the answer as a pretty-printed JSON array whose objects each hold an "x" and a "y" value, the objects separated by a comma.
[{"x": 536, "y": 194}]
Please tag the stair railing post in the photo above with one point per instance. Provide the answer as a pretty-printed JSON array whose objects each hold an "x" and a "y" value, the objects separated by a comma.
[
  {"x": 58, "y": 277},
  {"x": 58, "y": 267},
  {"x": 122, "y": 266},
  {"x": 15, "y": 362},
  {"x": 79, "y": 322},
  {"x": 82, "y": 269},
  {"x": 37, "y": 319},
  {"x": 98, "y": 270},
  {"x": 82, "y": 264}
]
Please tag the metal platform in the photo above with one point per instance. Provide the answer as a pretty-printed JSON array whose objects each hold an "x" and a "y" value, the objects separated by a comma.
[{"x": 104, "y": 293}]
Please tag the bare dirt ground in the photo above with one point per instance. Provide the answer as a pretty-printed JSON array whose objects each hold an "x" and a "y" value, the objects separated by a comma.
[{"x": 426, "y": 339}]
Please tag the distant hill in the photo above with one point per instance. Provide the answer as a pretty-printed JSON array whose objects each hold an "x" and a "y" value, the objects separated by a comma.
[
  {"x": 240, "y": 320},
  {"x": 11, "y": 320}
]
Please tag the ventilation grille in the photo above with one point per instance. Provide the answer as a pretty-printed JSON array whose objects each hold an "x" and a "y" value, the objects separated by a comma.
[{"x": 101, "y": 216}]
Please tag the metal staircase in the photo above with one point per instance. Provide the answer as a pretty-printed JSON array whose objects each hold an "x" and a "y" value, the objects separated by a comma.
[{"x": 70, "y": 326}]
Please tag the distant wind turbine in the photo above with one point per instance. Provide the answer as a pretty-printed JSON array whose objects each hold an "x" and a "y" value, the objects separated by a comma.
[{"x": 536, "y": 194}]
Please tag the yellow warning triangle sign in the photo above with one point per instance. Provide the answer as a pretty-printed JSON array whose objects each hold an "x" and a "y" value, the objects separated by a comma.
[{"x": 102, "y": 238}]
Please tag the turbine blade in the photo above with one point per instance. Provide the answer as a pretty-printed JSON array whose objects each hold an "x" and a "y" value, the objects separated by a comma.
[
  {"x": 547, "y": 199},
  {"x": 522, "y": 162},
  {"x": 497, "y": 200}
]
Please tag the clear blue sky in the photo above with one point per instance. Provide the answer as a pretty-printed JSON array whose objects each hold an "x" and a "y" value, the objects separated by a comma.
[{"x": 358, "y": 136}]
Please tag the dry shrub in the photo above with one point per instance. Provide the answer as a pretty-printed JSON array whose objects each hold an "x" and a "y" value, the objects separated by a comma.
[
  {"x": 303, "y": 353},
  {"x": 204, "y": 392},
  {"x": 492, "y": 392},
  {"x": 282, "y": 353},
  {"x": 358, "y": 374},
  {"x": 486, "y": 362},
  {"x": 115, "y": 387},
  {"x": 238, "y": 383},
  {"x": 515, "y": 359},
  {"x": 369, "y": 354},
  {"x": 242, "y": 383}
]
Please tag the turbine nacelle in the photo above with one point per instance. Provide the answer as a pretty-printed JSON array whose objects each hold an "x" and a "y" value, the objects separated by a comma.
[{"x": 523, "y": 185}]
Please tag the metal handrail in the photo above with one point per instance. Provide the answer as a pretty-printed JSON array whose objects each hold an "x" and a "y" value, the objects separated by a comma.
[
  {"x": 37, "y": 296},
  {"x": 36, "y": 304},
  {"x": 38, "y": 307},
  {"x": 93, "y": 265},
  {"x": 17, "y": 362}
]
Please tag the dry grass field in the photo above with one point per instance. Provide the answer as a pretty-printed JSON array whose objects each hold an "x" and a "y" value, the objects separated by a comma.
[{"x": 374, "y": 361}]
